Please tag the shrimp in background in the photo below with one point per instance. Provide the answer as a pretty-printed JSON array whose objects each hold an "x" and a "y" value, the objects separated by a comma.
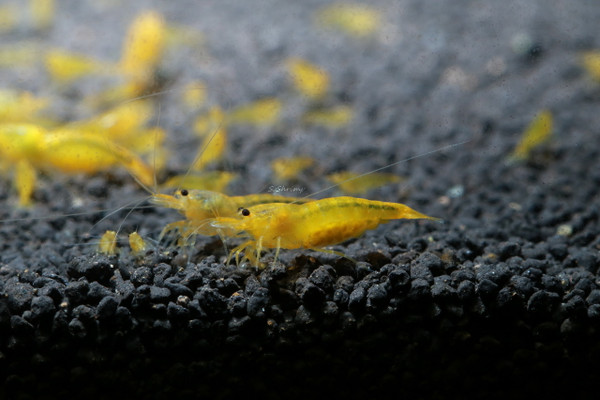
[{"x": 30, "y": 148}]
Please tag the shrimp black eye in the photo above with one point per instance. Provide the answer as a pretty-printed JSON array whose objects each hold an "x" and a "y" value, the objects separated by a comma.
[
  {"x": 245, "y": 212},
  {"x": 184, "y": 192}
]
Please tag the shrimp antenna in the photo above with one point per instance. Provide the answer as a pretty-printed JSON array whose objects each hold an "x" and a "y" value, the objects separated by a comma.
[
  {"x": 205, "y": 146},
  {"x": 56, "y": 216},
  {"x": 136, "y": 203},
  {"x": 135, "y": 207},
  {"x": 127, "y": 205},
  {"x": 155, "y": 182},
  {"x": 154, "y": 157},
  {"x": 390, "y": 165}
]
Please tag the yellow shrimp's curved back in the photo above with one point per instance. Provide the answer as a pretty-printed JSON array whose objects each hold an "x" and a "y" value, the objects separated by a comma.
[
  {"x": 250, "y": 200},
  {"x": 90, "y": 154}
]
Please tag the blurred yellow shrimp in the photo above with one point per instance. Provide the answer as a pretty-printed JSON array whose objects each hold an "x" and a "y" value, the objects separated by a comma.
[
  {"x": 20, "y": 106},
  {"x": 313, "y": 225},
  {"x": 30, "y": 148},
  {"x": 200, "y": 207},
  {"x": 118, "y": 137}
]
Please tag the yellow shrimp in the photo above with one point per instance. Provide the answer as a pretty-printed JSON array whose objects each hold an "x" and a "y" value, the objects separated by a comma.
[
  {"x": 116, "y": 137},
  {"x": 312, "y": 225},
  {"x": 31, "y": 147},
  {"x": 357, "y": 20},
  {"x": 200, "y": 207}
]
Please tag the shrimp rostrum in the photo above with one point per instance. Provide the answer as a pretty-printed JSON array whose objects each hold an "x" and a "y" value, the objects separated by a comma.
[{"x": 313, "y": 225}]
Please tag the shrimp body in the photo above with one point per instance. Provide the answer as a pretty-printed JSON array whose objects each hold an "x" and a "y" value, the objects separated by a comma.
[
  {"x": 32, "y": 148},
  {"x": 200, "y": 207},
  {"x": 312, "y": 225}
]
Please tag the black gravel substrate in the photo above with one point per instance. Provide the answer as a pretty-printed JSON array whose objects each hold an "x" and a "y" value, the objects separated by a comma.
[{"x": 500, "y": 300}]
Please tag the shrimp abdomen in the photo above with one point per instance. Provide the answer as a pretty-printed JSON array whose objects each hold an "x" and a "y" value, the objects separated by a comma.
[
  {"x": 352, "y": 208},
  {"x": 334, "y": 220}
]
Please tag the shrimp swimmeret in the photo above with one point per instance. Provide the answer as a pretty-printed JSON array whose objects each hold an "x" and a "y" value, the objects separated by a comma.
[{"x": 312, "y": 225}]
